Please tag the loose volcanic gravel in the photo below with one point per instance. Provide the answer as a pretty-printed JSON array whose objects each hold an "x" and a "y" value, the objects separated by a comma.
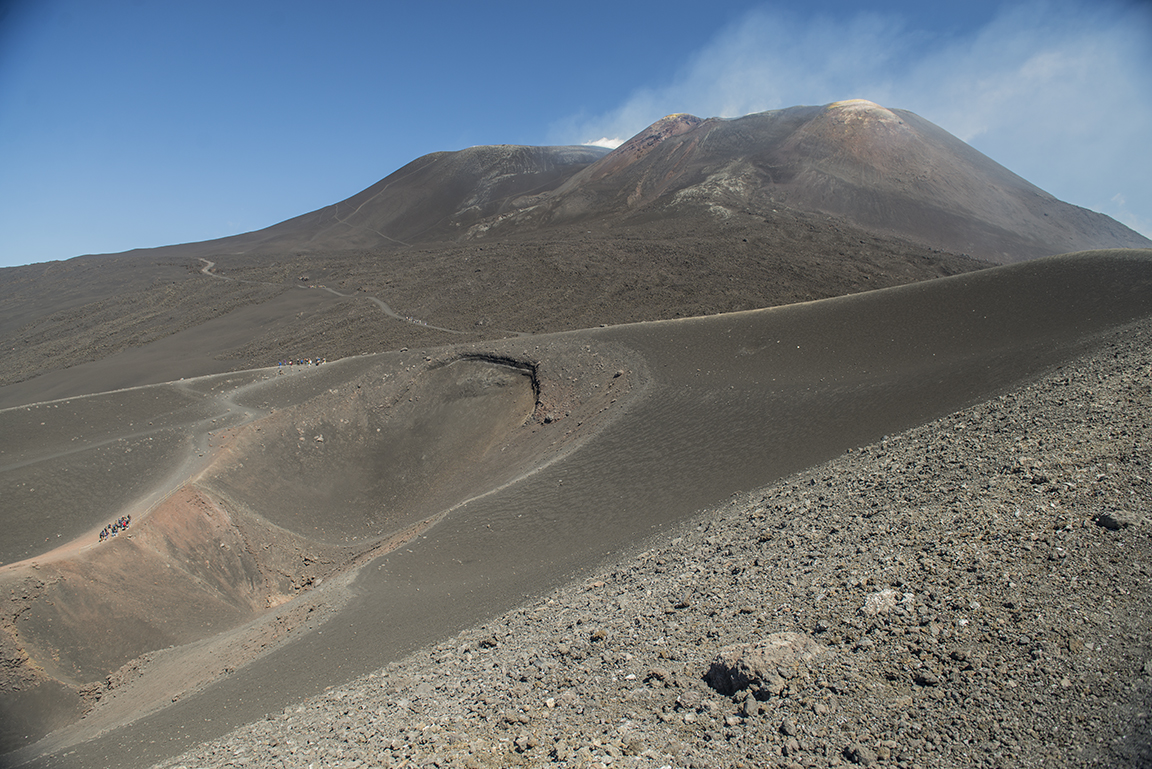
[{"x": 973, "y": 593}]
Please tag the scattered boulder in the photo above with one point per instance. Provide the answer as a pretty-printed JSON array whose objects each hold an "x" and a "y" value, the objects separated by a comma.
[
  {"x": 882, "y": 602},
  {"x": 764, "y": 666},
  {"x": 926, "y": 678},
  {"x": 861, "y": 755},
  {"x": 1114, "y": 520}
]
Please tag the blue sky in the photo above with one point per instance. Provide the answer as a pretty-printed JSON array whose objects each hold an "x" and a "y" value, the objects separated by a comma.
[{"x": 127, "y": 124}]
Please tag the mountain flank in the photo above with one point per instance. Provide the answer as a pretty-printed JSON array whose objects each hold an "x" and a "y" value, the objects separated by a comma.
[{"x": 885, "y": 170}]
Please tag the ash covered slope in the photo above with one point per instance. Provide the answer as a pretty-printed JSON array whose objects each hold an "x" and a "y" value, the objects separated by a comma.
[
  {"x": 716, "y": 405},
  {"x": 893, "y": 170},
  {"x": 690, "y": 217},
  {"x": 889, "y": 171},
  {"x": 427, "y": 200}
]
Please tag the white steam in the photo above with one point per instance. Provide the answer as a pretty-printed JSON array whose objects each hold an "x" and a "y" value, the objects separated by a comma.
[{"x": 605, "y": 142}]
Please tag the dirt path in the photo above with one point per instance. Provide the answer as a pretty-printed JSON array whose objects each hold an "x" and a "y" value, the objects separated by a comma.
[
  {"x": 204, "y": 448},
  {"x": 208, "y": 270}
]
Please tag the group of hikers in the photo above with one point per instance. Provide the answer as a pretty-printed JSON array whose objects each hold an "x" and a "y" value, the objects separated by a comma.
[
  {"x": 301, "y": 362},
  {"x": 112, "y": 529}
]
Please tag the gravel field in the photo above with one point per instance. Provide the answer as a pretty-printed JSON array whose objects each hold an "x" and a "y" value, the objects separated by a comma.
[{"x": 973, "y": 592}]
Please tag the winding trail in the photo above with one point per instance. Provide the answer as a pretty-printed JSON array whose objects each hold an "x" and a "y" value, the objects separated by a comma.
[
  {"x": 208, "y": 270},
  {"x": 392, "y": 313}
]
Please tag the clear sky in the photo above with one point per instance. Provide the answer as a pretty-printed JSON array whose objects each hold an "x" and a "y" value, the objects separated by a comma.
[{"x": 137, "y": 123}]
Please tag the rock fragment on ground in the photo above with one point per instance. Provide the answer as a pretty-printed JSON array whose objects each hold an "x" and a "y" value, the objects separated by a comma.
[{"x": 763, "y": 667}]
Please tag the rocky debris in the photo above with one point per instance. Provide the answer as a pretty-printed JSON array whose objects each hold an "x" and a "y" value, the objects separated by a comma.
[{"x": 1009, "y": 624}]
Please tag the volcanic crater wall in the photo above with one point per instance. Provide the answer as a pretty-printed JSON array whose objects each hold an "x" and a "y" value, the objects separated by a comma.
[
  {"x": 290, "y": 500},
  {"x": 365, "y": 460}
]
